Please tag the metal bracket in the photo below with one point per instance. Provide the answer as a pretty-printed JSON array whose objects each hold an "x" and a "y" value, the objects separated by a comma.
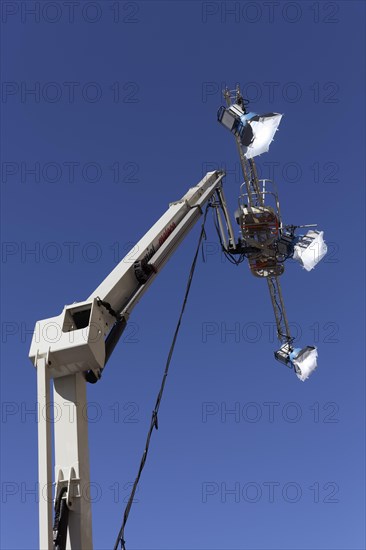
[{"x": 73, "y": 487}]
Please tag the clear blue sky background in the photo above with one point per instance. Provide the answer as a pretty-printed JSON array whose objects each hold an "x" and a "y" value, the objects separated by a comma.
[{"x": 157, "y": 70}]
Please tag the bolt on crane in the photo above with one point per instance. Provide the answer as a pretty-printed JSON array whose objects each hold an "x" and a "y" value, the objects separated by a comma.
[{"x": 73, "y": 348}]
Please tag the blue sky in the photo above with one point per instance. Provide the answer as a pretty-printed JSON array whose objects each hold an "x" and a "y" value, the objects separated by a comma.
[{"x": 122, "y": 121}]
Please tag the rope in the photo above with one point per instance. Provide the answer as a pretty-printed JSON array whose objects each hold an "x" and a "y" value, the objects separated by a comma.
[{"x": 154, "y": 418}]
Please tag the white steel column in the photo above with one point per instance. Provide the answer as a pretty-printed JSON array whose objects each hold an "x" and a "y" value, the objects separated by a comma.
[
  {"x": 72, "y": 452},
  {"x": 44, "y": 456}
]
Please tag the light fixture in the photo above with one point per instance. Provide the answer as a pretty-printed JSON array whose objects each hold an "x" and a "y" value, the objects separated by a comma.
[
  {"x": 256, "y": 132},
  {"x": 310, "y": 249},
  {"x": 304, "y": 361}
]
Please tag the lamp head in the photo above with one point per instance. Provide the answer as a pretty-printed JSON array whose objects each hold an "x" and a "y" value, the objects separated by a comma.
[
  {"x": 310, "y": 249},
  {"x": 304, "y": 361},
  {"x": 255, "y": 131}
]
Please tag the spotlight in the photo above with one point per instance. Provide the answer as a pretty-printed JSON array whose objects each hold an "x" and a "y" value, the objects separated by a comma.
[
  {"x": 310, "y": 249},
  {"x": 304, "y": 361},
  {"x": 255, "y": 131}
]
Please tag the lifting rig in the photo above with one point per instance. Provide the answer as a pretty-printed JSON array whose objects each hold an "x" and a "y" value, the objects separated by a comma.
[
  {"x": 265, "y": 241},
  {"x": 73, "y": 348}
]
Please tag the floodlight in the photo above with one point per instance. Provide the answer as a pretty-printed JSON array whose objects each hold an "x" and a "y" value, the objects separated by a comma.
[
  {"x": 310, "y": 249},
  {"x": 258, "y": 132},
  {"x": 230, "y": 117},
  {"x": 255, "y": 131},
  {"x": 303, "y": 360}
]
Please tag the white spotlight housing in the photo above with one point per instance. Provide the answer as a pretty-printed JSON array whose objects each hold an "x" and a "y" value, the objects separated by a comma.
[
  {"x": 256, "y": 132},
  {"x": 304, "y": 361},
  {"x": 262, "y": 131},
  {"x": 310, "y": 249}
]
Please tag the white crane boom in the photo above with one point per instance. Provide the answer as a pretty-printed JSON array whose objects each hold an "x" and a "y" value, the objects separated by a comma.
[
  {"x": 74, "y": 347},
  {"x": 157, "y": 245}
]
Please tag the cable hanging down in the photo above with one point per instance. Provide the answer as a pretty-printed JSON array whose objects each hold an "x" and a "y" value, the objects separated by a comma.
[{"x": 154, "y": 417}]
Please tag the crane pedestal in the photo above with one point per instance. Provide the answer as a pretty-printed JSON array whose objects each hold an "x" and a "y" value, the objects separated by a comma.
[{"x": 68, "y": 415}]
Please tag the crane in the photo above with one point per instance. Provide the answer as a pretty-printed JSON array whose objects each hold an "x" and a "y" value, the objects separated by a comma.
[{"x": 72, "y": 349}]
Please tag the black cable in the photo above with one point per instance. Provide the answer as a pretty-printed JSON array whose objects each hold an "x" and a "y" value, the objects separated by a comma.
[
  {"x": 108, "y": 307},
  {"x": 154, "y": 418},
  {"x": 61, "y": 521},
  {"x": 278, "y": 307},
  {"x": 275, "y": 298}
]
